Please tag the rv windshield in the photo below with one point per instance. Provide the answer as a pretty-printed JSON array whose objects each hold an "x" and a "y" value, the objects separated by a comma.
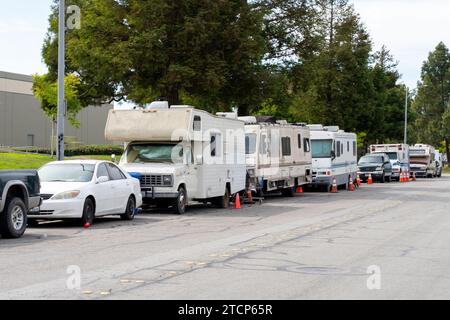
[
  {"x": 392, "y": 155},
  {"x": 322, "y": 148},
  {"x": 154, "y": 153},
  {"x": 250, "y": 143}
]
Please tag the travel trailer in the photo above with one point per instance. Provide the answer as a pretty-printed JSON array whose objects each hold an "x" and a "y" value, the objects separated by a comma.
[
  {"x": 398, "y": 155},
  {"x": 422, "y": 159},
  {"x": 181, "y": 154},
  {"x": 278, "y": 155},
  {"x": 334, "y": 154}
]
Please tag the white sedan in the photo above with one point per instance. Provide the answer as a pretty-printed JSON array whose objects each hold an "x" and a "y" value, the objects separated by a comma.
[{"x": 86, "y": 190}]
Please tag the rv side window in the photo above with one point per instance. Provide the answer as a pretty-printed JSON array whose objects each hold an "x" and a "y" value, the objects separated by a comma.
[
  {"x": 197, "y": 123},
  {"x": 299, "y": 141},
  {"x": 250, "y": 143},
  {"x": 215, "y": 145},
  {"x": 342, "y": 148},
  {"x": 338, "y": 148},
  {"x": 263, "y": 146},
  {"x": 286, "y": 146},
  {"x": 348, "y": 146},
  {"x": 354, "y": 148},
  {"x": 307, "y": 145}
]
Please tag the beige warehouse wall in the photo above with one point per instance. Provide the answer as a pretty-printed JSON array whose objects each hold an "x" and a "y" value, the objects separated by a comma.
[{"x": 21, "y": 116}]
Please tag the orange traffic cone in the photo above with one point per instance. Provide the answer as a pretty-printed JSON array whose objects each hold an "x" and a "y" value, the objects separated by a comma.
[
  {"x": 334, "y": 187},
  {"x": 237, "y": 202},
  {"x": 358, "y": 181},
  {"x": 87, "y": 225},
  {"x": 351, "y": 186},
  {"x": 299, "y": 189},
  {"x": 401, "y": 176},
  {"x": 370, "y": 180}
]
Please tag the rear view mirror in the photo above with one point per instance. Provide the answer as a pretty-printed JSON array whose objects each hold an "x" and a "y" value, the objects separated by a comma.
[{"x": 102, "y": 179}]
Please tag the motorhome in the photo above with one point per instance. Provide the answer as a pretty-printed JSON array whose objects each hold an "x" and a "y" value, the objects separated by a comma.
[
  {"x": 422, "y": 159},
  {"x": 398, "y": 156},
  {"x": 439, "y": 163},
  {"x": 334, "y": 154},
  {"x": 278, "y": 155},
  {"x": 181, "y": 154}
]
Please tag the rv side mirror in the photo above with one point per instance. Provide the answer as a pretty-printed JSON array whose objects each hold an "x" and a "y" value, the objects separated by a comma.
[
  {"x": 199, "y": 159},
  {"x": 333, "y": 155}
]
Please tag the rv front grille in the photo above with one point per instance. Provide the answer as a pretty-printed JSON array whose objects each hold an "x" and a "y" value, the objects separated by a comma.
[{"x": 151, "y": 181}]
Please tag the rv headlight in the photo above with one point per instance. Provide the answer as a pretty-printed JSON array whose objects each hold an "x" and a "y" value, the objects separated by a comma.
[
  {"x": 168, "y": 180},
  {"x": 67, "y": 195}
]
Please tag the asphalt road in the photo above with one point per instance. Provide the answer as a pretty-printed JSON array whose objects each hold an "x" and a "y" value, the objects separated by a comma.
[{"x": 313, "y": 246}]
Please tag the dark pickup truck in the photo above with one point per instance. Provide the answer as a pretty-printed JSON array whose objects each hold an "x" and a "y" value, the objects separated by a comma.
[{"x": 19, "y": 193}]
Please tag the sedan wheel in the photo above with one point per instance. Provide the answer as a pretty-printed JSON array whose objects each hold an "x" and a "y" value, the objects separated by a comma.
[
  {"x": 130, "y": 211},
  {"x": 88, "y": 212}
]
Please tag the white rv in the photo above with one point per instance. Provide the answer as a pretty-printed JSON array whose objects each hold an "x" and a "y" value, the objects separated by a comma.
[
  {"x": 278, "y": 155},
  {"x": 422, "y": 160},
  {"x": 181, "y": 154},
  {"x": 398, "y": 155},
  {"x": 334, "y": 155}
]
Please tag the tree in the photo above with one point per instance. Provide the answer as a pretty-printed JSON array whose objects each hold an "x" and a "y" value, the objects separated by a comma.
[
  {"x": 207, "y": 51},
  {"x": 46, "y": 91},
  {"x": 432, "y": 102}
]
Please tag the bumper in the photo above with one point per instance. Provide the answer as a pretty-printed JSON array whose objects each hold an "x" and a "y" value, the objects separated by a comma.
[
  {"x": 322, "y": 180},
  {"x": 420, "y": 174},
  {"x": 375, "y": 175},
  {"x": 153, "y": 194},
  {"x": 59, "y": 209}
]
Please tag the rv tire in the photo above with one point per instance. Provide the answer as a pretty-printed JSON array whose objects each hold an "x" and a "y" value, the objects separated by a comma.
[
  {"x": 180, "y": 203},
  {"x": 288, "y": 192}
]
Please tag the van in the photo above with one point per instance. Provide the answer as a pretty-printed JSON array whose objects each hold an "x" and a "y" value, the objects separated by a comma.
[{"x": 181, "y": 154}]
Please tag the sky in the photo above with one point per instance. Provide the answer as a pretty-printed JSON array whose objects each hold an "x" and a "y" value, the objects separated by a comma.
[{"x": 409, "y": 28}]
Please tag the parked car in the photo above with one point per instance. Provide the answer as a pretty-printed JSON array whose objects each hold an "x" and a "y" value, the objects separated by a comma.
[
  {"x": 86, "y": 190},
  {"x": 398, "y": 155},
  {"x": 378, "y": 165},
  {"x": 19, "y": 192}
]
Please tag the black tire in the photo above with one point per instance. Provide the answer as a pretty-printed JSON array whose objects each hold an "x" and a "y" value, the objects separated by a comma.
[
  {"x": 224, "y": 201},
  {"x": 130, "y": 210},
  {"x": 179, "y": 207},
  {"x": 288, "y": 192},
  {"x": 13, "y": 219},
  {"x": 88, "y": 212}
]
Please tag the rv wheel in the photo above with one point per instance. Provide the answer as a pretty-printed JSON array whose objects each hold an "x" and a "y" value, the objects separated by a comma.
[
  {"x": 180, "y": 202},
  {"x": 288, "y": 192}
]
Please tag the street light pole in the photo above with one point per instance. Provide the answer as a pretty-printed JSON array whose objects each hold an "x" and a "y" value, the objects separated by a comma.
[
  {"x": 61, "y": 74},
  {"x": 406, "y": 114}
]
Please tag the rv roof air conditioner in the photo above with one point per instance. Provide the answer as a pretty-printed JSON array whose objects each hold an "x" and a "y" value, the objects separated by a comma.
[
  {"x": 315, "y": 127},
  {"x": 155, "y": 105},
  {"x": 228, "y": 115},
  {"x": 249, "y": 120},
  {"x": 332, "y": 128}
]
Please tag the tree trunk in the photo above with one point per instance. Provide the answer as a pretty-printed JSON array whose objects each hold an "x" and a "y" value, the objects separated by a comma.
[
  {"x": 173, "y": 96},
  {"x": 447, "y": 150}
]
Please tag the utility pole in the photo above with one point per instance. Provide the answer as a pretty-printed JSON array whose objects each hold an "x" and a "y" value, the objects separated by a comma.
[
  {"x": 61, "y": 74},
  {"x": 406, "y": 114}
]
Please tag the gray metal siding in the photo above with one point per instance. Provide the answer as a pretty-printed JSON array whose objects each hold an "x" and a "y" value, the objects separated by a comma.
[{"x": 20, "y": 116}]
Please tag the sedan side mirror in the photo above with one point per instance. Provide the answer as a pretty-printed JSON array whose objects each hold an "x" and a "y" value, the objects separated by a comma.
[{"x": 102, "y": 179}]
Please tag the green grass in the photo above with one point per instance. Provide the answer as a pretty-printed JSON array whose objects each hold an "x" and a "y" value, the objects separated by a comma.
[
  {"x": 447, "y": 170},
  {"x": 16, "y": 161}
]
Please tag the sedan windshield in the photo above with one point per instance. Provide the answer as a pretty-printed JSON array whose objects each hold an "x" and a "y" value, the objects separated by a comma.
[
  {"x": 371, "y": 159},
  {"x": 156, "y": 153},
  {"x": 67, "y": 173},
  {"x": 322, "y": 148}
]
